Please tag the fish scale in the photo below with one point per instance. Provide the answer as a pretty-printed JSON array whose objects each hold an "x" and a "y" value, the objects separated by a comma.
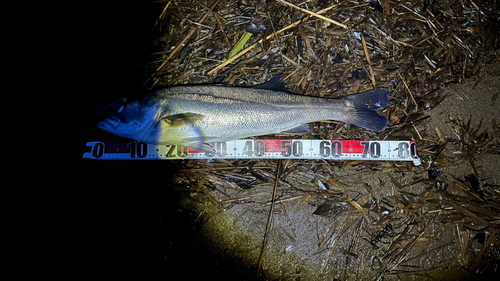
[{"x": 194, "y": 115}]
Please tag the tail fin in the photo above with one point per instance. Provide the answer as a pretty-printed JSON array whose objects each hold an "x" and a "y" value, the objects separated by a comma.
[{"x": 366, "y": 105}]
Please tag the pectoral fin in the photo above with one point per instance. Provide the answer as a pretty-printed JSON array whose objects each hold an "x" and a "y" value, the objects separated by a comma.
[
  {"x": 299, "y": 130},
  {"x": 200, "y": 143},
  {"x": 198, "y": 139},
  {"x": 182, "y": 119},
  {"x": 202, "y": 147}
]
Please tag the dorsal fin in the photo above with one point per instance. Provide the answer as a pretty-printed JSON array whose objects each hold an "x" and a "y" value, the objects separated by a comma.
[{"x": 276, "y": 84}]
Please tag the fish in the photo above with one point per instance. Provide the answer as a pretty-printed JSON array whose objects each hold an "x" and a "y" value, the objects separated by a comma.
[{"x": 194, "y": 115}]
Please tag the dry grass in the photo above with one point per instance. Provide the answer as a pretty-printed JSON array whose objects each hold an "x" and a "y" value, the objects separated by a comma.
[{"x": 412, "y": 47}]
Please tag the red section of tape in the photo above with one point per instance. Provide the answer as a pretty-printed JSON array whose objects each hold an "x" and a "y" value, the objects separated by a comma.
[{"x": 274, "y": 145}]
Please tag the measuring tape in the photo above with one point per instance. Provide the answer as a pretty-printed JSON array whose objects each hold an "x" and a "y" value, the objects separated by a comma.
[{"x": 260, "y": 149}]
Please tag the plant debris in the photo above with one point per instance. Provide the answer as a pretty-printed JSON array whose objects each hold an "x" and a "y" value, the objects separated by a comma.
[{"x": 377, "y": 219}]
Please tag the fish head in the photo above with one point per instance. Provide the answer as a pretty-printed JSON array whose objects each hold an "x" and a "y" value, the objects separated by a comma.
[{"x": 127, "y": 119}]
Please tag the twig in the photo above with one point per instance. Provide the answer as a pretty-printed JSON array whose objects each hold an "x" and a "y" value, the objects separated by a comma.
[
  {"x": 411, "y": 95},
  {"x": 269, "y": 219},
  {"x": 305, "y": 200},
  {"x": 237, "y": 56},
  {"x": 441, "y": 137},
  {"x": 360, "y": 268},
  {"x": 483, "y": 250},
  {"x": 211, "y": 9},
  {"x": 477, "y": 219},
  {"x": 352, "y": 245},
  {"x": 313, "y": 14},
  {"x": 334, "y": 242},
  {"x": 219, "y": 168},
  {"x": 161, "y": 15},
  {"x": 277, "y": 41},
  {"x": 282, "y": 200},
  {"x": 314, "y": 63},
  {"x": 372, "y": 75},
  {"x": 395, "y": 260},
  {"x": 292, "y": 73},
  {"x": 180, "y": 44}
]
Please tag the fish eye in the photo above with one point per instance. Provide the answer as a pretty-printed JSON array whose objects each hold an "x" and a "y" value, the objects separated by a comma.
[{"x": 121, "y": 108}]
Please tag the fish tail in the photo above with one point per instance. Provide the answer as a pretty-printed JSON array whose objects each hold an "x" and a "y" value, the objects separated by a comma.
[{"x": 364, "y": 114}]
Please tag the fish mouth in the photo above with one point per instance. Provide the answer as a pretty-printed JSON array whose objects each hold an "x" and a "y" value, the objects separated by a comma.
[{"x": 108, "y": 123}]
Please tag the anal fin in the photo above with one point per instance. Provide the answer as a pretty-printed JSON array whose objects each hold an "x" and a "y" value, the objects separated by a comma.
[{"x": 299, "y": 130}]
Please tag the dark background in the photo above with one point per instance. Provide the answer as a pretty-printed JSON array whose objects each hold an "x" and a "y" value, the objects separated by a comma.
[
  {"x": 84, "y": 219},
  {"x": 93, "y": 219}
]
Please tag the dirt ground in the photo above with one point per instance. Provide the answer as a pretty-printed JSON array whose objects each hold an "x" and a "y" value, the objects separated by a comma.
[
  {"x": 306, "y": 246},
  {"x": 476, "y": 99}
]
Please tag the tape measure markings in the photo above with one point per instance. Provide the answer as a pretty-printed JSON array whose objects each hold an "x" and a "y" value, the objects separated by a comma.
[{"x": 260, "y": 149}]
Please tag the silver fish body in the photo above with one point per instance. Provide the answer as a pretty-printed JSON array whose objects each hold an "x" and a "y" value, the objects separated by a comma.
[{"x": 193, "y": 115}]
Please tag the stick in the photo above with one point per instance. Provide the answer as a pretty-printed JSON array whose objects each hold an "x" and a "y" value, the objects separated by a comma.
[
  {"x": 179, "y": 46},
  {"x": 270, "y": 218},
  {"x": 262, "y": 40},
  {"x": 313, "y": 14},
  {"x": 408, "y": 89},
  {"x": 372, "y": 75}
]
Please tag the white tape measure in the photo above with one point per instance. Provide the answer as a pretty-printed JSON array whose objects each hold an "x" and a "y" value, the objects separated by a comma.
[{"x": 260, "y": 149}]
